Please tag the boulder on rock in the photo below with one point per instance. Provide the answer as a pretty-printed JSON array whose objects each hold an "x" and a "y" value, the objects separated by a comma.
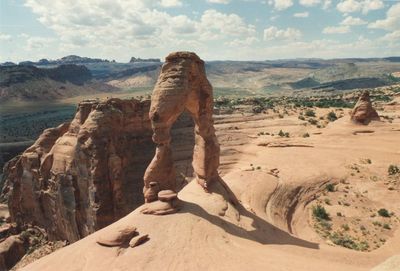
[
  {"x": 117, "y": 237},
  {"x": 138, "y": 240}
]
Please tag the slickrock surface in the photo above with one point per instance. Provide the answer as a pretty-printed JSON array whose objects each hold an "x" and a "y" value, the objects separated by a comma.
[
  {"x": 84, "y": 175},
  {"x": 363, "y": 112},
  {"x": 273, "y": 220},
  {"x": 182, "y": 85}
]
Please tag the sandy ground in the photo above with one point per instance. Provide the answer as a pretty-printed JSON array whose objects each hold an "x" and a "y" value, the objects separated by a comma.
[{"x": 264, "y": 221}]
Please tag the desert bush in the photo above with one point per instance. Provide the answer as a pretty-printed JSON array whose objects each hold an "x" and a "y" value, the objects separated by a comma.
[
  {"x": 330, "y": 187},
  {"x": 306, "y": 135},
  {"x": 386, "y": 226},
  {"x": 319, "y": 212},
  {"x": 345, "y": 227},
  {"x": 309, "y": 113},
  {"x": 332, "y": 116},
  {"x": 313, "y": 121},
  {"x": 383, "y": 212},
  {"x": 393, "y": 170}
]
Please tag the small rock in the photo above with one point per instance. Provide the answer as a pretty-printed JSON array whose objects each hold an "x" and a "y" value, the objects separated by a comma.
[
  {"x": 117, "y": 238},
  {"x": 167, "y": 195},
  {"x": 159, "y": 208},
  {"x": 138, "y": 240}
]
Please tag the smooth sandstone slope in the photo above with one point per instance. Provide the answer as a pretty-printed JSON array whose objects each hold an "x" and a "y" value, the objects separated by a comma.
[{"x": 271, "y": 228}]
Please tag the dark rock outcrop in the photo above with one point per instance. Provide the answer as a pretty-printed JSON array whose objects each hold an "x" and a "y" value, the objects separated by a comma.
[{"x": 11, "y": 251}]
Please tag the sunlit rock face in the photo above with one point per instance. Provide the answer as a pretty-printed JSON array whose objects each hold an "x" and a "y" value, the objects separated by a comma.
[{"x": 86, "y": 174}]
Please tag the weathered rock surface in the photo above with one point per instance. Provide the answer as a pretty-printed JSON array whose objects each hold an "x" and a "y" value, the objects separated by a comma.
[
  {"x": 181, "y": 86},
  {"x": 83, "y": 175},
  {"x": 86, "y": 174},
  {"x": 363, "y": 112}
]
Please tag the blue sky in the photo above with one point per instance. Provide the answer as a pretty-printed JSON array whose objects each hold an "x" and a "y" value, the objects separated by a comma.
[{"x": 215, "y": 29}]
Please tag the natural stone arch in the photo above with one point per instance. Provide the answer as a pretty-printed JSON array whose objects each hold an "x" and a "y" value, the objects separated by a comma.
[{"x": 182, "y": 85}]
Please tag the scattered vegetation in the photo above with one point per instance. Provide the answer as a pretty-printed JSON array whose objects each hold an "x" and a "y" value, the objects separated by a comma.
[
  {"x": 283, "y": 134},
  {"x": 347, "y": 241}
]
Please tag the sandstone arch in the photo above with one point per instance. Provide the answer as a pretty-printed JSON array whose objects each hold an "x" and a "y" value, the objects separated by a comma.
[{"x": 182, "y": 85}]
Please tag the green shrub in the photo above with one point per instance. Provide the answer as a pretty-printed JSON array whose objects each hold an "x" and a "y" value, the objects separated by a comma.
[
  {"x": 319, "y": 212},
  {"x": 386, "y": 226},
  {"x": 313, "y": 121},
  {"x": 383, "y": 212},
  {"x": 345, "y": 227},
  {"x": 330, "y": 187},
  {"x": 393, "y": 170},
  {"x": 309, "y": 113},
  {"x": 332, "y": 116}
]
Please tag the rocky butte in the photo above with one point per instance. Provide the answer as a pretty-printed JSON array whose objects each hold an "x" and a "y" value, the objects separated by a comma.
[{"x": 363, "y": 112}]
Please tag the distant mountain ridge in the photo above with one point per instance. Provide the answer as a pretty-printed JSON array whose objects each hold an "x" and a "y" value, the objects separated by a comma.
[
  {"x": 75, "y": 74},
  {"x": 27, "y": 83},
  {"x": 74, "y": 59}
]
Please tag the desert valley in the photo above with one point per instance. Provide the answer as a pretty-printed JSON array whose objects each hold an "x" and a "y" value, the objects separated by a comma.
[{"x": 302, "y": 173}]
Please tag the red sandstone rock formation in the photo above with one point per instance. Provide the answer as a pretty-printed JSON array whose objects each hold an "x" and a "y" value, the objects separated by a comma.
[
  {"x": 83, "y": 175},
  {"x": 363, "y": 112},
  {"x": 182, "y": 85}
]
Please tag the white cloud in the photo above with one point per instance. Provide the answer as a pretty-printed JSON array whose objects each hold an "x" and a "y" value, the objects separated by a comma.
[
  {"x": 219, "y": 1},
  {"x": 5, "y": 37},
  {"x": 349, "y": 20},
  {"x": 392, "y": 20},
  {"x": 117, "y": 26},
  {"x": 327, "y": 4},
  {"x": 242, "y": 42},
  {"x": 392, "y": 37},
  {"x": 349, "y": 6},
  {"x": 274, "y": 33},
  {"x": 301, "y": 14},
  {"x": 336, "y": 29},
  {"x": 281, "y": 4},
  {"x": 171, "y": 3},
  {"x": 37, "y": 43},
  {"x": 309, "y": 3}
]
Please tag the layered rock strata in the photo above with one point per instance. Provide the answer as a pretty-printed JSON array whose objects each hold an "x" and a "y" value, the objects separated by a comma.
[
  {"x": 86, "y": 174},
  {"x": 363, "y": 112},
  {"x": 181, "y": 86}
]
